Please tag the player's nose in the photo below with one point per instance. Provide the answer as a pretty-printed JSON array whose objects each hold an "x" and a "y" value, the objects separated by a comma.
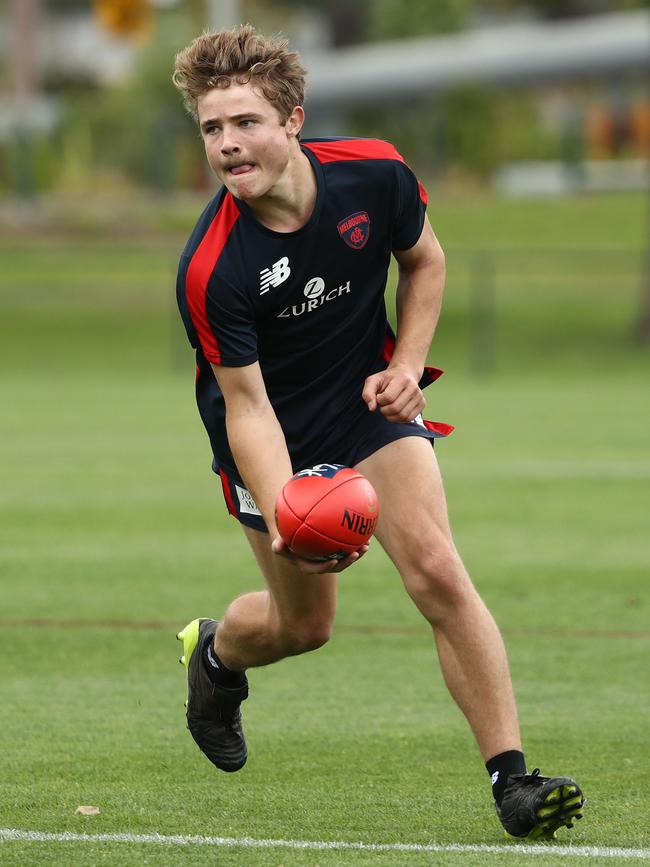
[{"x": 229, "y": 143}]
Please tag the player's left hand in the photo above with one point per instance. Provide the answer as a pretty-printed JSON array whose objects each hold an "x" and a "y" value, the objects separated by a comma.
[{"x": 395, "y": 392}]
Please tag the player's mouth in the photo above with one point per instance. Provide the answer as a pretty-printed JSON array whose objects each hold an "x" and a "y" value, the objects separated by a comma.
[{"x": 243, "y": 169}]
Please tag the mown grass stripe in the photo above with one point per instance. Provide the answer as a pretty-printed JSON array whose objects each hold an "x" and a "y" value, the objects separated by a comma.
[
  {"x": 348, "y": 628},
  {"x": 12, "y": 834}
]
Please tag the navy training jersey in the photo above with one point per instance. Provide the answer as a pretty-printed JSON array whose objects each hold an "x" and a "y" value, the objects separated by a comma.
[{"x": 309, "y": 304}]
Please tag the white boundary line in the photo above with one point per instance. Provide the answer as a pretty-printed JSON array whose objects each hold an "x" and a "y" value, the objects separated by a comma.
[{"x": 12, "y": 834}]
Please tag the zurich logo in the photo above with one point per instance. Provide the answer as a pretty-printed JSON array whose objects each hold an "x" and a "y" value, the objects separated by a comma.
[
  {"x": 314, "y": 287},
  {"x": 316, "y": 296}
]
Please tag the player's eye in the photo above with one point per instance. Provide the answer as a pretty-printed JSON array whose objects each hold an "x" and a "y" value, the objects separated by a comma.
[{"x": 247, "y": 122}]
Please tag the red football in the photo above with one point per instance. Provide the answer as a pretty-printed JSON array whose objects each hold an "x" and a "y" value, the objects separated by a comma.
[{"x": 327, "y": 511}]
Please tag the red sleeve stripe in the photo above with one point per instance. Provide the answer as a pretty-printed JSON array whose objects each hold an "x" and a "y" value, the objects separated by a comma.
[
  {"x": 200, "y": 270},
  {"x": 353, "y": 149}
]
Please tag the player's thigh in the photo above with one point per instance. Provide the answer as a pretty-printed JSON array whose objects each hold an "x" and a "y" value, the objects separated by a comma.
[
  {"x": 296, "y": 597},
  {"x": 413, "y": 525}
]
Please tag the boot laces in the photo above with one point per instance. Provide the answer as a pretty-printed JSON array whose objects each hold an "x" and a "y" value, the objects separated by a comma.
[{"x": 533, "y": 779}]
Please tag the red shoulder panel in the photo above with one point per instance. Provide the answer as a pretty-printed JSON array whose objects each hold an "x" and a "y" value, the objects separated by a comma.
[
  {"x": 353, "y": 149},
  {"x": 200, "y": 269},
  {"x": 358, "y": 149}
]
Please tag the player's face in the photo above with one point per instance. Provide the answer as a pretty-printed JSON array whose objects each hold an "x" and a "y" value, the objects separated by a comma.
[{"x": 247, "y": 146}]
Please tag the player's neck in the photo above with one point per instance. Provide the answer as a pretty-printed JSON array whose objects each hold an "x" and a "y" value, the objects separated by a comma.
[{"x": 289, "y": 204}]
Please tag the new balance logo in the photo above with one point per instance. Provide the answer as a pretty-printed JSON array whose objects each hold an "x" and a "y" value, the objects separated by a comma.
[{"x": 276, "y": 274}]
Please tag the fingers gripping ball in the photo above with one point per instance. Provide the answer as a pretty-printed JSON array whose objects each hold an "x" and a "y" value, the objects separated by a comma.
[{"x": 326, "y": 512}]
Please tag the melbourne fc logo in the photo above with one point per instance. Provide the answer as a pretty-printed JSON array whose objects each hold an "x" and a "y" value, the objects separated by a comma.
[{"x": 355, "y": 229}]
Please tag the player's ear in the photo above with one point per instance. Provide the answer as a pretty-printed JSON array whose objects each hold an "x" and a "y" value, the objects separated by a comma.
[{"x": 295, "y": 121}]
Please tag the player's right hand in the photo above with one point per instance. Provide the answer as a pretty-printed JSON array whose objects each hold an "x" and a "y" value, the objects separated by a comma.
[{"x": 315, "y": 567}]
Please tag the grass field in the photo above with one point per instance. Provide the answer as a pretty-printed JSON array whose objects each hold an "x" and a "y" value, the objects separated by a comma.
[{"x": 113, "y": 535}]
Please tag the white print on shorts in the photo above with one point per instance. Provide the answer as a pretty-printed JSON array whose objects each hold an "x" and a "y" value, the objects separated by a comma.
[{"x": 247, "y": 504}]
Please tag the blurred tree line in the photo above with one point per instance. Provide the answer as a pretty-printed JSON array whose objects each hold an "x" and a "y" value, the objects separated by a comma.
[{"x": 136, "y": 133}]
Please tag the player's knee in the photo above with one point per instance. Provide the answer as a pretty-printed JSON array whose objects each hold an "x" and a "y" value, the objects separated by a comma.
[
  {"x": 306, "y": 636},
  {"x": 438, "y": 582}
]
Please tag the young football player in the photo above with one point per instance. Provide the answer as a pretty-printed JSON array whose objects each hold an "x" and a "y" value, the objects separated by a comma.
[{"x": 281, "y": 290}]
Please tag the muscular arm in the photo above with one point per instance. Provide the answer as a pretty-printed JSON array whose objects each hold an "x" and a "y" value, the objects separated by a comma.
[
  {"x": 258, "y": 445},
  {"x": 395, "y": 391},
  {"x": 419, "y": 299},
  {"x": 255, "y": 436}
]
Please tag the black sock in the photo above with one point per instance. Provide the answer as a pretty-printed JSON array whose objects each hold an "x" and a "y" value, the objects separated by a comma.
[
  {"x": 500, "y": 767},
  {"x": 217, "y": 671}
]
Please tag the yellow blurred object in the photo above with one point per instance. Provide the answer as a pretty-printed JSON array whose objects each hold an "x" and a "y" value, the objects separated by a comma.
[{"x": 133, "y": 18}]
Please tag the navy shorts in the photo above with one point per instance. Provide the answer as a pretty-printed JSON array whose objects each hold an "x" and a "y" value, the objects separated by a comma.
[{"x": 367, "y": 436}]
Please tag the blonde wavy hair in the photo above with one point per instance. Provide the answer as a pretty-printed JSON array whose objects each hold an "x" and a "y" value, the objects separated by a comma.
[{"x": 241, "y": 55}]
